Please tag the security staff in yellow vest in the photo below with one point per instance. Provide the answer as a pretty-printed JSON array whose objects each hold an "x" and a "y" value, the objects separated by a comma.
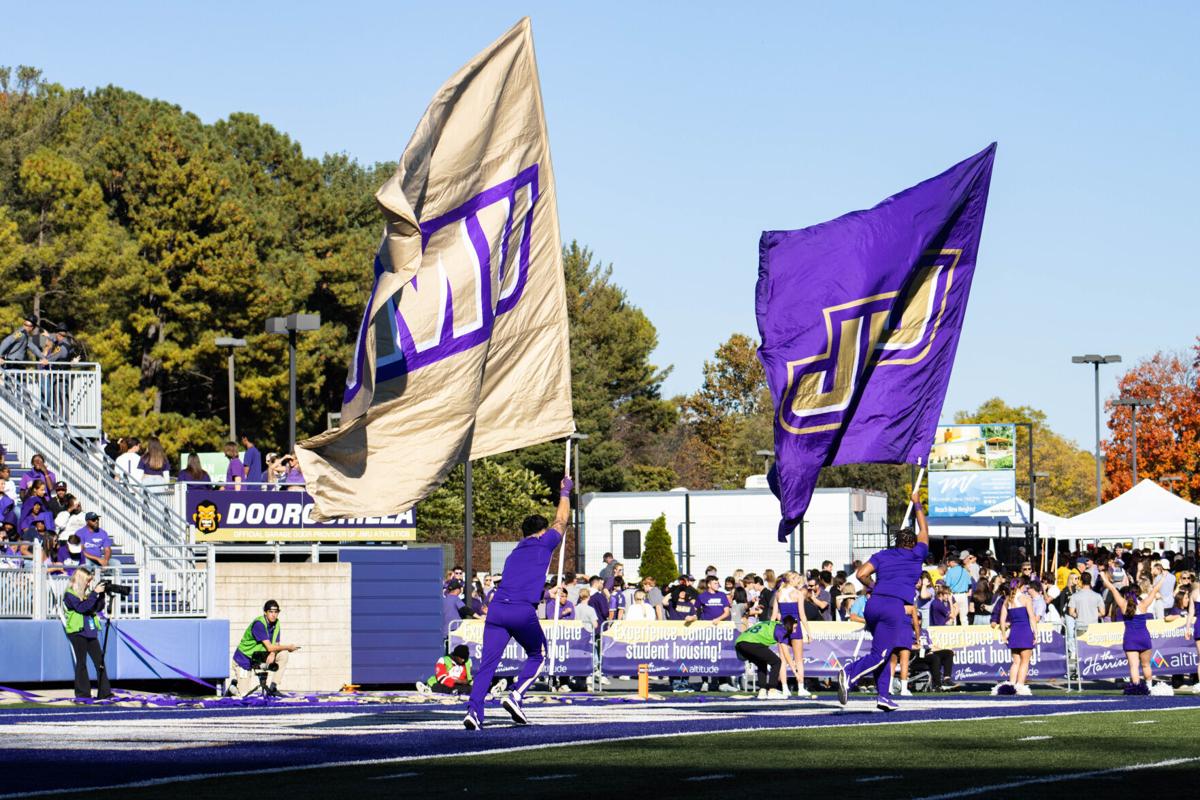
[
  {"x": 260, "y": 647},
  {"x": 82, "y": 606}
]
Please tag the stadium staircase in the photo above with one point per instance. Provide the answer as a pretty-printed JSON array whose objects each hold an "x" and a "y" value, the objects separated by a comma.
[{"x": 151, "y": 549}]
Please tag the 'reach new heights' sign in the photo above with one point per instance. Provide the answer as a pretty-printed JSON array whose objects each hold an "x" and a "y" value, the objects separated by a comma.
[
  {"x": 256, "y": 515},
  {"x": 971, "y": 468}
]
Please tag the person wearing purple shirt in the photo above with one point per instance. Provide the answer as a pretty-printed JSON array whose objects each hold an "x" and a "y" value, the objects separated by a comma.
[
  {"x": 252, "y": 462},
  {"x": 599, "y": 600},
  {"x": 939, "y": 609},
  {"x": 513, "y": 612},
  {"x": 896, "y": 572},
  {"x": 235, "y": 473},
  {"x": 97, "y": 544},
  {"x": 568, "y": 608},
  {"x": 714, "y": 604},
  {"x": 37, "y": 472}
]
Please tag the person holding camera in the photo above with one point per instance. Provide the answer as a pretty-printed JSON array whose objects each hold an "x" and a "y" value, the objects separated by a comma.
[
  {"x": 82, "y": 606},
  {"x": 260, "y": 649}
]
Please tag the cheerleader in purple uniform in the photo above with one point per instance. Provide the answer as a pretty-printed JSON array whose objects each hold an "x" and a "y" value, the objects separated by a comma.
[
  {"x": 1134, "y": 602},
  {"x": 1193, "y": 629},
  {"x": 1018, "y": 626}
]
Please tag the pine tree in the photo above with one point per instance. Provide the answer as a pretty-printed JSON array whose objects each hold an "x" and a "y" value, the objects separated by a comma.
[{"x": 658, "y": 560}]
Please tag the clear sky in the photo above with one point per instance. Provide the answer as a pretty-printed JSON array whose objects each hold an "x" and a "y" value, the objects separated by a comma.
[{"x": 680, "y": 131}]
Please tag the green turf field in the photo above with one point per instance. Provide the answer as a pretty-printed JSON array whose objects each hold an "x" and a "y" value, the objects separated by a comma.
[{"x": 883, "y": 761}]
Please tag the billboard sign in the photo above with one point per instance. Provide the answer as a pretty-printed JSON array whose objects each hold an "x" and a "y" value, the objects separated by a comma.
[
  {"x": 972, "y": 468},
  {"x": 573, "y": 645},
  {"x": 255, "y": 515}
]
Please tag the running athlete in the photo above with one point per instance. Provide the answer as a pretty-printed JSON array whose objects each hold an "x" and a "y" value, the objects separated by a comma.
[
  {"x": 896, "y": 572},
  {"x": 513, "y": 611}
]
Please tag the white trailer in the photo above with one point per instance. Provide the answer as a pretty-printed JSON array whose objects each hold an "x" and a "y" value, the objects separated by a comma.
[{"x": 733, "y": 529}]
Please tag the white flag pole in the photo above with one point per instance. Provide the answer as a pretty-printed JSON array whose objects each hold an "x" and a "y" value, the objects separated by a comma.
[
  {"x": 917, "y": 485},
  {"x": 562, "y": 551}
]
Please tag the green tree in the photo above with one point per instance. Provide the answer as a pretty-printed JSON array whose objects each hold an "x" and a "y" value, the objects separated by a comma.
[
  {"x": 658, "y": 560},
  {"x": 1071, "y": 486},
  {"x": 503, "y": 497}
]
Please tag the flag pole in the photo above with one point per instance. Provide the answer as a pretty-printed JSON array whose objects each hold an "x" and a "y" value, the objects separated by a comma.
[
  {"x": 562, "y": 550},
  {"x": 917, "y": 485}
]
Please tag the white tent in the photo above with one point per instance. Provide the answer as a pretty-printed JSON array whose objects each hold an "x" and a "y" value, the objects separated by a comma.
[
  {"x": 1147, "y": 511},
  {"x": 983, "y": 524}
]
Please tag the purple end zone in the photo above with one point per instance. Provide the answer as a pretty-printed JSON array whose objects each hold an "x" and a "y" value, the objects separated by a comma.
[{"x": 330, "y": 739}]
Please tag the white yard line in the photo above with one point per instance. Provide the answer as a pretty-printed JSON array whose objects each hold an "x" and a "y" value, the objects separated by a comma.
[
  {"x": 875, "y": 778},
  {"x": 1070, "y": 776},
  {"x": 373, "y": 762},
  {"x": 559, "y": 776},
  {"x": 1034, "y": 738},
  {"x": 1144, "y": 722},
  {"x": 717, "y": 777},
  {"x": 397, "y": 775}
]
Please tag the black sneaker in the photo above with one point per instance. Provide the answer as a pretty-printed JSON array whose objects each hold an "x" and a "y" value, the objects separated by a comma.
[
  {"x": 273, "y": 691},
  {"x": 513, "y": 707}
]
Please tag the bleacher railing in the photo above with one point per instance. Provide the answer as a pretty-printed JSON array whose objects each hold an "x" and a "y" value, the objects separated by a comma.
[
  {"x": 134, "y": 515},
  {"x": 70, "y": 391},
  {"x": 160, "y": 589}
]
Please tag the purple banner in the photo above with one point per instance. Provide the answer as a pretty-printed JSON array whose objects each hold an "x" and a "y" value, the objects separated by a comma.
[
  {"x": 859, "y": 320},
  {"x": 669, "y": 648},
  {"x": 575, "y": 647},
  {"x": 258, "y": 515},
  {"x": 980, "y": 654},
  {"x": 1101, "y": 655}
]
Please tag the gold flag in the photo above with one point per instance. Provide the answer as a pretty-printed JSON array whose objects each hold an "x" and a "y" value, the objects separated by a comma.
[{"x": 463, "y": 349}]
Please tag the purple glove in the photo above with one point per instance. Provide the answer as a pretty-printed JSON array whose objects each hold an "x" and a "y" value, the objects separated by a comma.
[{"x": 566, "y": 487}]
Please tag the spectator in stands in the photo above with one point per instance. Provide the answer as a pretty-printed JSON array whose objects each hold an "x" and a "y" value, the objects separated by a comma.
[
  {"x": 639, "y": 610},
  {"x": 70, "y": 553},
  {"x": 1085, "y": 605},
  {"x": 154, "y": 464},
  {"x": 1160, "y": 573},
  {"x": 943, "y": 609},
  {"x": 50, "y": 554},
  {"x": 451, "y": 674},
  {"x": 252, "y": 462},
  {"x": 14, "y": 551},
  {"x": 55, "y": 502},
  {"x": 714, "y": 604},
  {"x": 97, "y": 544},
  {"x": 845, "y": 601},
  {"x": 585, "y": 612},
  {"x": 8, "y": 506},
  {"x": 559, "y": 597},
  {"x": 37, "y": 471},
  {"x": 274, "y": 472},
  {"x": 453, "y": 605},
  {"x": 260, "y": 647},
  {"x": 653, "y": 595},
  {"x": 194, "y": 471},
  {"x": 617, "y": 571},
  {"x": 924, "y": 598},
  {"x": 606, "y": 570},
  {"x": 616, "y": 597},
  {"x": 981, "y": 601},
  {"x": 294, "y": 478},
  {"x": 235, "y": 473},
  {"x": 82, "y": 606},
  {"x": 858, "y": 608},
  {"x": 456, "y": 574},
  {"x": 958, "y": 581},
  {"x": 130, "y": 456},
  {"x": 598, "y": 599},
  {"x": 33, "y": 513}
]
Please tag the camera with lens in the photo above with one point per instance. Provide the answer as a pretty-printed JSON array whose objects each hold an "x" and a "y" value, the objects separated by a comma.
[{"x": 118, "y": 589}]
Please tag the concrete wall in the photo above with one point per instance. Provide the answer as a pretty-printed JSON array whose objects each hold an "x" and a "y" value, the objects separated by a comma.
[{"x": 314, "y": 610}]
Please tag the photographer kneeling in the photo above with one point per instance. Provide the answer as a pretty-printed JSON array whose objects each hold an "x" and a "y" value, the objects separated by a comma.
[
  {"x": 82, "y": 631},
  {"x": 259, "y": 649}
]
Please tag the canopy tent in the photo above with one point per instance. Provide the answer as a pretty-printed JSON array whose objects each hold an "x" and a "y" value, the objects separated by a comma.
[
  {"x": 1146, "y": 510},
  {"x": 984, "y": 524}
]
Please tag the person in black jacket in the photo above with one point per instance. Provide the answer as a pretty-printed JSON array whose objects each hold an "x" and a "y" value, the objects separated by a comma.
[{"x": 82, "y": 606}]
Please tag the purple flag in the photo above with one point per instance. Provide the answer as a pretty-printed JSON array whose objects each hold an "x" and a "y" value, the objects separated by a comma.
[{"x": 859, "y": 319}]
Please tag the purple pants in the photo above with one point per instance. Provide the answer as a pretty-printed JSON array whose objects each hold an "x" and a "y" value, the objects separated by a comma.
[
  {"x": 507, "y": 621},
  {"x": 890, "y": 628}
]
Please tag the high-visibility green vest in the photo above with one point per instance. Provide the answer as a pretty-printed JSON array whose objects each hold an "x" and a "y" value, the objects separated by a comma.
[
  {"x": 449, "y": 664},
  {"x": 760, "y": 633},
  {"x": 74, "y": 620},
  {"x": 248, "y": 646}
]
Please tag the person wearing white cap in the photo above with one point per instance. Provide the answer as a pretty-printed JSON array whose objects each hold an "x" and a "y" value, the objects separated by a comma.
[{"x": 1160, "y": 572}]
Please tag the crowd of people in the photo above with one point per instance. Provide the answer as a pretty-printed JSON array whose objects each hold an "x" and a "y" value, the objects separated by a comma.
[
  {"x": 37, "y": 508},
  {"x": 1079, "y": 589},
  {"x": 147, "y": 463}
]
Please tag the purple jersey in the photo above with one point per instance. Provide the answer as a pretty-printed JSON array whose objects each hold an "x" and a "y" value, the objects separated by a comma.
[
  {"x": 712, "y": 604},
  {"x": 897, "y": 571},
  {"x": 525, "y": 569},
  {"x": 235, "y": 470}
]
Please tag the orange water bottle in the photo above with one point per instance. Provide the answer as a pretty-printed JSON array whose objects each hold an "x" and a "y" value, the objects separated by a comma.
[{"x": 643, "y": 681}]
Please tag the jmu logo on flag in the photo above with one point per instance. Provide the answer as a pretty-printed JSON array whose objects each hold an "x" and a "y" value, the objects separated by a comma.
[{"x": 884, "y": 330}]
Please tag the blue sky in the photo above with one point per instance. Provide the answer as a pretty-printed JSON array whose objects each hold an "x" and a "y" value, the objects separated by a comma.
[{"x": 682, "y": 130}]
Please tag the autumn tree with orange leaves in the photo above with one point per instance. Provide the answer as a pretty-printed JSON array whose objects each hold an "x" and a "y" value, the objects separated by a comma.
[{"x": 1168, "y": 432}]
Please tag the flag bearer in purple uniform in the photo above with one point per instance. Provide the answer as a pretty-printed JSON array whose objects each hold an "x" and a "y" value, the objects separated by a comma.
[
  {"x": 513, "y": 611},
  {"x": 890, "y": 576}
]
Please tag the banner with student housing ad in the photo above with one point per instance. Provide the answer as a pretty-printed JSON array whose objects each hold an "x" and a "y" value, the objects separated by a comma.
[
  {"x": 574, "y": 648},
  {"x": 257, "y": 515},
  {"x": 1101, "y": 656},
  {"x": 981, "y": 655},
  {"x": 669, "y": 648}
]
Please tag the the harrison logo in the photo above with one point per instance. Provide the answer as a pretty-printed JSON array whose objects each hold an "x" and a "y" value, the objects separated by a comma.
[{"x": 883, "y": 330}]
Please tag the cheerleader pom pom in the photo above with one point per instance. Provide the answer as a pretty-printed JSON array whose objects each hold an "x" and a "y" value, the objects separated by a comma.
[
  {"x": 1137, "y": 690},
  {"x": 1004, "y": 689}
]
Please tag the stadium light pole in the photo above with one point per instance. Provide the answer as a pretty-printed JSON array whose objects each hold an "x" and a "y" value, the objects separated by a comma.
[
  {"x": 1171, "y": 480},
  {"x": 1096, "y": 360},
  {"x": 232, "y": 344},
  {"x": 1134, "y": 403},
  {"x": 291, "y": 325}
]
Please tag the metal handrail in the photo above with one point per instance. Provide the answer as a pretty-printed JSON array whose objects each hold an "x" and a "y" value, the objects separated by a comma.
[
  {"x": 134, "y": 516},
  {"x": 72, "y": 390}
]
